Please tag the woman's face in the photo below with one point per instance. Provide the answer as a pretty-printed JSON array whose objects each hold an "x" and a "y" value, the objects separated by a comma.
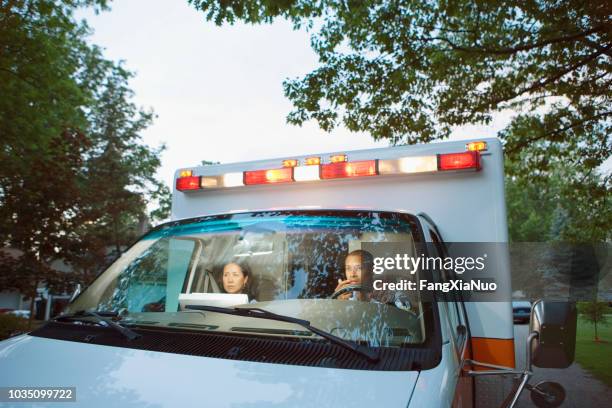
[{"x": 234, "y": 280}]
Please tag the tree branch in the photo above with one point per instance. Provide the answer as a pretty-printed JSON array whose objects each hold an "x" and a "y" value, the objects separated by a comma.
[
  {"x": 596, "y": 46},
  {"x": 527, "y": 141},
  {"x": 542, "y": 83},
  {"x": 527, "y": 47},
  {"x": 27, "y": 81}
]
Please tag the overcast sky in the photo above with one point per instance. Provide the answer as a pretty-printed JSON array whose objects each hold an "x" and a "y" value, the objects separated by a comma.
[{"x": 217, "y": 91}]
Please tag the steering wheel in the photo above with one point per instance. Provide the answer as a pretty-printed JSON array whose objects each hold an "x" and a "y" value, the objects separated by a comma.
[{"x": 346, "y": 289}]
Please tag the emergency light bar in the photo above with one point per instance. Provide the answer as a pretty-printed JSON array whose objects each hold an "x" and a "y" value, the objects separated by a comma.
[{"x": 339, "y": 168}]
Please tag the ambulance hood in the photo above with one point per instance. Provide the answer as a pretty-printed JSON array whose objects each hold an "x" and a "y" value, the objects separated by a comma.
[{"x": 113, "y": 376}]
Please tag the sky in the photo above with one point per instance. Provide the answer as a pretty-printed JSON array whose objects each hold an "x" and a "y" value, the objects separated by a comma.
[{"x": 217, "y": 91}]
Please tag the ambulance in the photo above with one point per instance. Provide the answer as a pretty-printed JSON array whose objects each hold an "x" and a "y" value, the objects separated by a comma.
[{"x": 243, "y": 298}]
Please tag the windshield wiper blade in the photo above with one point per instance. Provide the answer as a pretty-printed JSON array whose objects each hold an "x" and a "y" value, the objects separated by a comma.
[
  {"x": 259, "y": 313},
  {"x": 101, "y": 317}
]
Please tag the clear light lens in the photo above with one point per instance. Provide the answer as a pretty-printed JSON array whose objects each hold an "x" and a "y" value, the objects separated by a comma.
[
  {"x": 233, "y": 180},
  {"x": 306, "y": 173},
  {"x": 211, "y": 181},
  {"x": 408, "y": 165}
]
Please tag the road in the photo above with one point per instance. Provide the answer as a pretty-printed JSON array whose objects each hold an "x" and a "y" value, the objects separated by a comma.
[{"x": 582, "y": 390}]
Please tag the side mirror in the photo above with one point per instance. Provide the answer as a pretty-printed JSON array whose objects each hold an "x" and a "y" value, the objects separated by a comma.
[{"x": 555, "y": 324}]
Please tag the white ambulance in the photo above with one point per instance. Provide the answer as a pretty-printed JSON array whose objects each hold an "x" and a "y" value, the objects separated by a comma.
[{"x": 252, "y": 295}]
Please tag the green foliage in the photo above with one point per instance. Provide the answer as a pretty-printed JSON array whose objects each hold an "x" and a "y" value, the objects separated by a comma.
[
  {"x": 594, "y": 356},
  {"x": 163, "y": 197},
  {"x": 11, "y": 325},
  {"x": 594, "y": 313},
  {"x": 561, "y": 204},
  {"x": 75, "y": 177},
  {"x": 409, "y": 71},
  {"x": 40, "y": 203},
  {"x": 530, "y": 211},
  {"x": 119, "y": 167}
]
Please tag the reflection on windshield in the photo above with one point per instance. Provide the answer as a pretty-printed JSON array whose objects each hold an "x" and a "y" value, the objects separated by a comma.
[{"x": 306, "y": 264}]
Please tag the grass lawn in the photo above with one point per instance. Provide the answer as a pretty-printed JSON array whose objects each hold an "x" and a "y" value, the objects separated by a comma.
[{"x": 595, "y": 357}]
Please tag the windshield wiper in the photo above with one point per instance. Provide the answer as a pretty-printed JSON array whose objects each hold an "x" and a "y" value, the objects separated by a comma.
[
  {"x": 101, "y": 317},
  {"x": 259, "y": 313}
]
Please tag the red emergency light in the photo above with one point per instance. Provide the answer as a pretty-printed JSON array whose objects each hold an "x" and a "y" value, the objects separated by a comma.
[
  {"x": 188, "y": 183},
  {"x": 459, "y": 161},
  {"x": 283, "y": 175},
  {"x": 349, "y": 169}
]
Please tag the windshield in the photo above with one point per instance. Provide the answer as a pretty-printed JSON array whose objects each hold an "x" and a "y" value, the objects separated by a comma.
[{"x": 305, "y": 264}]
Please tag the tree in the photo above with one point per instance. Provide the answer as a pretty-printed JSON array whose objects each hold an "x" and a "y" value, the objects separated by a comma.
[
  {"x": 595, "y": 313},
  {"x": 74, "y": 174},
  {"x": 40, "y": 205},
  {"x": 558, "y": 205},
  {"x": 122, "y": 168},
  {"x": 121, "y": 172},
  {"x": 409, "y": 71},
  {"x": 43, "y": 88}
]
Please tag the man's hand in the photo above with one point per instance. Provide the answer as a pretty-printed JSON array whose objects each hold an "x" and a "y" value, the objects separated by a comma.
[{"x": 342, "y": 284}]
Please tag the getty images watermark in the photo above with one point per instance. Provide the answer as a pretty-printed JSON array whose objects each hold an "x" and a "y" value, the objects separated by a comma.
[
  {"x": 490, "y": 271},
  {"x": 473, "y": 271},
  {"x": 447, "y": 265}
]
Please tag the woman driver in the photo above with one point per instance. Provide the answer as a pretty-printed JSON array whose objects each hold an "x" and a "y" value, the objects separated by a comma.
[{"x": 358, "y": 270}]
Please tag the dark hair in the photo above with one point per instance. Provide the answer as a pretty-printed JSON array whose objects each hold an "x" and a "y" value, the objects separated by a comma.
[
  {"x": 366, "y": 257},
  {"x": 244, "y": 268},
  {"x": 246, "y": 272}
]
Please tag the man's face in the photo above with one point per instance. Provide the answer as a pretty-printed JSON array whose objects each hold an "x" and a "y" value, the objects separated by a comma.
[{"x": 352, "y": 266}]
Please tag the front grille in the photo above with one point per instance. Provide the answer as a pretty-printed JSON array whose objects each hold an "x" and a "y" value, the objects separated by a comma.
[{"x": 275, "y": 350}]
